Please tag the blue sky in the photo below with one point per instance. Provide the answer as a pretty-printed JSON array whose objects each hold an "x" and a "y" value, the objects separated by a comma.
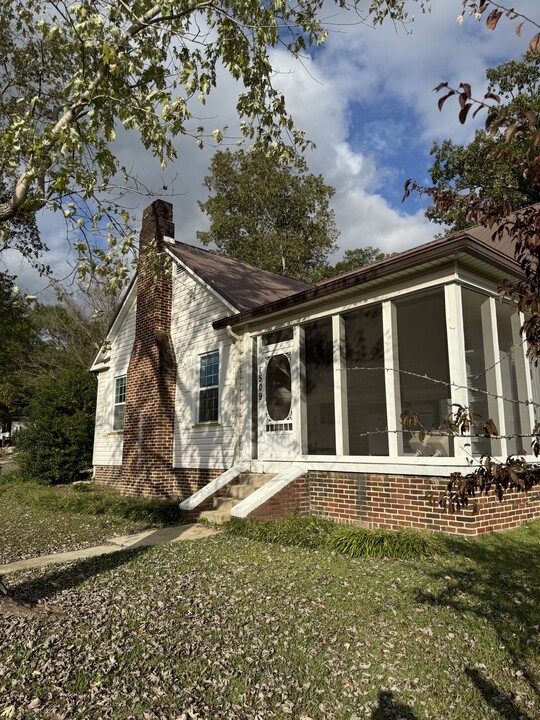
[{"x": 366, "y": 99}]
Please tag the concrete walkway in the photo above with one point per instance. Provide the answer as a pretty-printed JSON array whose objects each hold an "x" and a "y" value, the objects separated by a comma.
[{"x": 115, "y": 544}]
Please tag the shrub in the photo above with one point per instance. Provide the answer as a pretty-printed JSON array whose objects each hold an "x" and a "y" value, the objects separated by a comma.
[
  {"x": 307, "y": 532},
  {"x": 56, "y": 444},
  {"x": 314, "y": 532},
  {"x": 404, "y": 544}
]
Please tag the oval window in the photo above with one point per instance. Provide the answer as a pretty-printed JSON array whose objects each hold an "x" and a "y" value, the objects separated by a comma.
[{"x": 278, "y": 387}]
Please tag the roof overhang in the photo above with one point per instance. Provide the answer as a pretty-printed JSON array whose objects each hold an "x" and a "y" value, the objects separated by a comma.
[{"x": 413, "y": 260}]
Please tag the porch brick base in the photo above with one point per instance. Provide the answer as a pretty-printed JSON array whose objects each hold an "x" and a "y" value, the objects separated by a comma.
[{"x": 392, "y": 502}]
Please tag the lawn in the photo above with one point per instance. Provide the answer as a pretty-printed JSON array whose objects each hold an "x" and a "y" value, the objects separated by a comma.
[
  {"x": 229, "y": 627},
  {"x": 37, "y": 520}
]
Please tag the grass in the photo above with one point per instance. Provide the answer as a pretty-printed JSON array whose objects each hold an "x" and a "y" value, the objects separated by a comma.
[
  {"x": 37, "y": 520},
  {"x": 230, "y": 627}
]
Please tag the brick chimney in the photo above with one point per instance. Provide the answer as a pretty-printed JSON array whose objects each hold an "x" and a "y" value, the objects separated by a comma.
[{"x": 151, "y": 377}]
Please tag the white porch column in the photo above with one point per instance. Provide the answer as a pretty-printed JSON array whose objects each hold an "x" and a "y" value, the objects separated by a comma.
[
  {"x": 340, "y": 386},
  {"x": 391, "y": 379},
  {"x": 299, "y": 398},
  {"x": 523, "y": 380},
  {"x": 493, "y": 375},
  {"x": 457, "y": 365}
]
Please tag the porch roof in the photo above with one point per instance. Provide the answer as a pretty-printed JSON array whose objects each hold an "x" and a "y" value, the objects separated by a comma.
[{"x": 476, "y": 242}]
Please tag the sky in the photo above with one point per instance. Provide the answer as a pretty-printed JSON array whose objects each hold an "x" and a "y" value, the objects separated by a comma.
[{"x": 366, "y": 100}]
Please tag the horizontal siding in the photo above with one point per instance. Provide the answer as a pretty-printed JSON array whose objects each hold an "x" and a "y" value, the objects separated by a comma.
[
  {"x": 194, "y": 310},
  {"x": 108, "y": 445}
]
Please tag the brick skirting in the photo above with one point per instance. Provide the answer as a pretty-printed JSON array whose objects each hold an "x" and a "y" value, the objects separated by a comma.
[
  {"x": 372, "y": 501},
  {"x": 177, "y": 483}
]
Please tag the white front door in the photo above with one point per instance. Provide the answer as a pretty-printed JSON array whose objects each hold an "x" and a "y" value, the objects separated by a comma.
[{"x": 278, "y": 393}]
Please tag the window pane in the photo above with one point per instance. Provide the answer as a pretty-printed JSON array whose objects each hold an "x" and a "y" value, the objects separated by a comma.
[
  {"x": 208, "y": 405},
  {"x": 209, "y": 375},
  {"x": 278, "y": 336},
  {"x": 423, "y": 351},
  {"x": 319, "y": 393},
  {"x": 366, "y": 398},
  {"x": 120, "y": 390},
  {"x": 118, "y": 422},
  {"x": 278, "y": 387}
]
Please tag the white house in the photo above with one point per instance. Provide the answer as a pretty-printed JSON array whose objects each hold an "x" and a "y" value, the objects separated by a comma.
[{"x": 214, "y": 369}]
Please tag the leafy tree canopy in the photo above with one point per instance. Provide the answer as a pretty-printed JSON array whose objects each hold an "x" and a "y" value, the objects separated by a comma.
[
  {"x": 271, "y": 215},
  {"x": 72, "y": 72},
  {"x": 492, "y": 166}
]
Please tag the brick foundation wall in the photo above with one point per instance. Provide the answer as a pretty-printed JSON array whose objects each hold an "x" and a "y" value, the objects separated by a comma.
[
  {"x": 178, "y": 483},
  {"x": 293, "y": 498},
  {"x": 389, "y": 501}
]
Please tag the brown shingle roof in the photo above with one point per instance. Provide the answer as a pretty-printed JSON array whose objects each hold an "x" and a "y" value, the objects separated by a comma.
[{"x": 244, "y": 286}]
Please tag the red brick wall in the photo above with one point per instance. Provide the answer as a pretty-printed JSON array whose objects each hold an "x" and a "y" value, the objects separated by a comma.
[
  {"x": 179, "y": 483},
  {"x": 293, "y": 498},
  {"x": 389, "y": 501}
]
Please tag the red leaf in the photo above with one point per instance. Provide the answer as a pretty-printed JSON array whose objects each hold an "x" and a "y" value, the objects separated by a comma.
[
  {"x": 466, "y": 89},
  {"x": 493, "y": 18},
  {"x": 440, "y": 86},
  {"x": 492, "y": 96},
  {"x": 442, "y": 100},
  {"x": 464, "y": 112},
  {"x": 518, "y": 29},
  {"x": 534, "y": 45}
]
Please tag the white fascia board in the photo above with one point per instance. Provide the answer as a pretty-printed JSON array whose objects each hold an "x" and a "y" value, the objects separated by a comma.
[
  {"x": 205, "y": 285},
  {"x": 127, "y": 302}
]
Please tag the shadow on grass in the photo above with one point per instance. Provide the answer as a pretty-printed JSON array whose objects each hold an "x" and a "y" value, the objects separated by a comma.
[
  {"x": 503, "y": 703},
  {"x": 390, "y": 709},
  {"x": 70, "y": 576},
  {"x": 496, "y": 578}
]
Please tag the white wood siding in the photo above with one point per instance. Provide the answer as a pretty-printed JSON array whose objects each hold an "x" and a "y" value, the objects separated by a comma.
[
  {"x": 108, "y": 444},
  {"x": 212, "y": 445}
]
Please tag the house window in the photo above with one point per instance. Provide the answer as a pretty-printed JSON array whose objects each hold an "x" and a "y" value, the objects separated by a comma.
[
  {"x": 209, "y": 387},
  {"x": 119, "y": 402}
]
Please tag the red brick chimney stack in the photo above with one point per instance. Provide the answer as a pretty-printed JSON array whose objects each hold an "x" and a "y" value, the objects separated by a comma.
[{"x": 151, "y": 377}]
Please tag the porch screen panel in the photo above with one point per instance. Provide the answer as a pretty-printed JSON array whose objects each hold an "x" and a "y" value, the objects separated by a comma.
[
  {"x": 512, "y": 368},
  {"x": 481, "y": 387},
  {"x": 319, "y": 389},
  {"x": 424, "y": 375},
  {"x": 366, "y": 400}
]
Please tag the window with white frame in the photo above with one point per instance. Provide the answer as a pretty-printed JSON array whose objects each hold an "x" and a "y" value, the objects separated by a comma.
[
  {"x": 119, "y": 402},
  {"x": 209, "y": 387}
]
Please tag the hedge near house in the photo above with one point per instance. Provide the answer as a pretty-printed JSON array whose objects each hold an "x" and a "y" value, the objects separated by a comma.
[{"x": 56, "y": 445}]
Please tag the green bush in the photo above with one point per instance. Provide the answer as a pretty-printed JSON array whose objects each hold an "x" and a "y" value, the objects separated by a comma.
[
  {"x": 307, "y": 532},
  {"x": 404, "y": 544},
  {"x": 56, "y": 444},
  {"x": 313, "y": 532}
]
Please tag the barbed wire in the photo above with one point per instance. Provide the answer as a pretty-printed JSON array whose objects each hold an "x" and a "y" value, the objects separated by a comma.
[{"x": 446, "y": 384}]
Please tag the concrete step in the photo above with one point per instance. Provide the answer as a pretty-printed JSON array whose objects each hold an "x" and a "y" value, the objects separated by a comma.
[
  {"x": 216, "y": 517},
  {"x": 249, "y": 482}
]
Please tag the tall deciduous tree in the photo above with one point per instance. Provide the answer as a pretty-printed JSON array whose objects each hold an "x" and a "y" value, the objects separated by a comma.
[
  {"x": 268, "y": 214},
  {"x": 72, "y": 72},
  {"x": 492, "y": 166}
]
